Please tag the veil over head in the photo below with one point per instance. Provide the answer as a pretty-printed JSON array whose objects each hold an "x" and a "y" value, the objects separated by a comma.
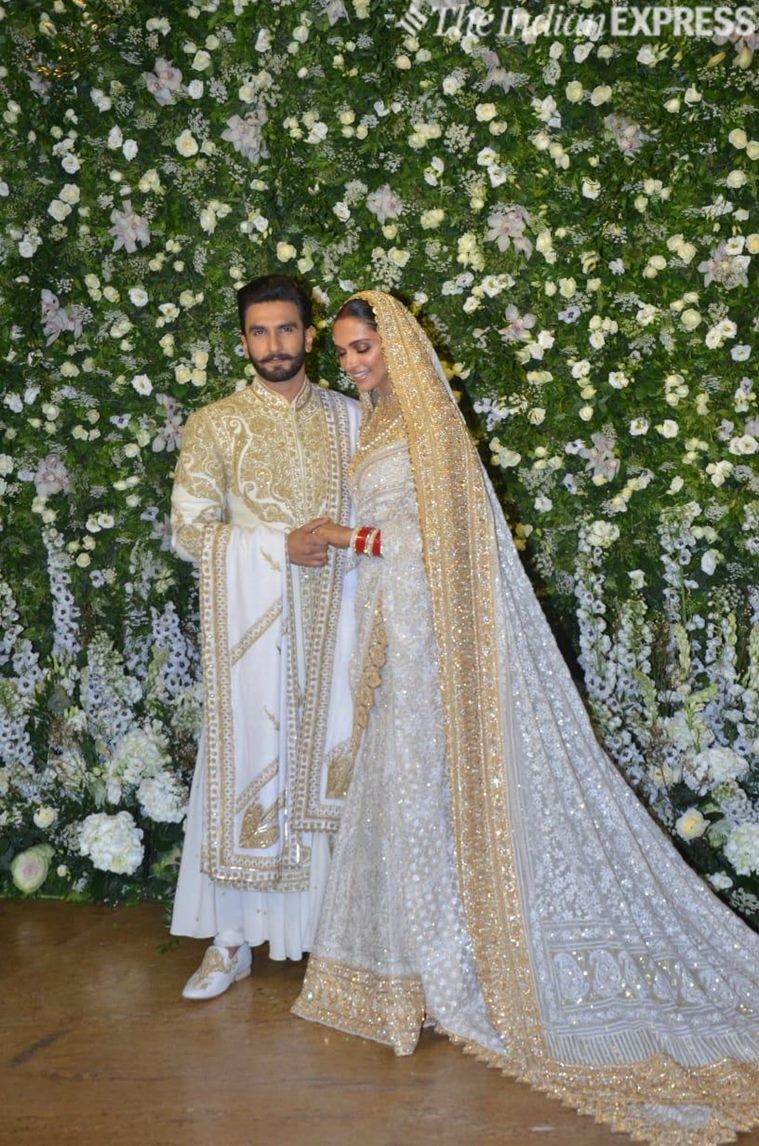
[{"x": 514, "y": 722}]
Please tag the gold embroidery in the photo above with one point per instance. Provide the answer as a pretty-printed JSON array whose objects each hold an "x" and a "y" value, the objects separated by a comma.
[
  {"x": 260, "y": 828},
  {"x": 339, "y": 768},
  {"x": 341, "y": 759},
  {"x": 271, "y": 561},
  {"x": 386, "y": 1008},
  {"x": 213, "y": 960},
  {"x": 256, "y": 631}
]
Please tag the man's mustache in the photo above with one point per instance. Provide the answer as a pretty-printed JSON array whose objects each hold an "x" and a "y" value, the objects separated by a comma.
[{"x": 278, "y": 358}]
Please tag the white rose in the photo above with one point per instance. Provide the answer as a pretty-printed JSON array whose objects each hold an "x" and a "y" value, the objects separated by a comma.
[
  {"x": 690, "y": 319},
  {"x": 397, "y": 256},
  {"x": 591, "y": 188},
  {"x": 738, "y": 138},
  {"x": 201, "y": 61},
  {"x": 263, "y": 41},
  {"x": 342, "y": 210},
  {"x": 691, "y": 824},
  {"x": 574, "y": 91},
  {"x": 186, "y": 144},
  {"x": 45, "y": 816},
  {"x": 668, "y": 428},
  {"x": 69, "y": 193},
  {"x": 285, "y": 252},
  {"x": 138, "y": 296},
  {"x": 600, "y": 94},
  {"x": 59, "y": 210},
  {"x": 142, "y": 384},
  {"x": 485, "y": 112}
]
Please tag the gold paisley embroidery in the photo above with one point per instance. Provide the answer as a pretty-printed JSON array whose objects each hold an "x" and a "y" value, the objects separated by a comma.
[
  {"x": 260, "y": 828},
  {"x": 339, "y": 768}
]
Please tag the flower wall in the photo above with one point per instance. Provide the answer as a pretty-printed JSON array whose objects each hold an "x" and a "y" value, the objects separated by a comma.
[{"x": 569, "y": 215}]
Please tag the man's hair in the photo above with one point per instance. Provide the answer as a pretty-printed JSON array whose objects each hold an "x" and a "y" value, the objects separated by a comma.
[{"x": 274, "y": 288}]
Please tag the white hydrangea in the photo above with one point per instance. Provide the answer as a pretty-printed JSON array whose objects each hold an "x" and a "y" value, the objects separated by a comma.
[
  {"x": 113, "y": 843},
  {"x": 713, "y": 766},
  {"x": 742, "y": 849},
  {"x": 139, "y": 754},
  {"x": 162, "y": 798}
]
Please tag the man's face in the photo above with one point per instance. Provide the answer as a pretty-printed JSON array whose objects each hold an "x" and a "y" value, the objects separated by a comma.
[{"x": 275, "y": 340}]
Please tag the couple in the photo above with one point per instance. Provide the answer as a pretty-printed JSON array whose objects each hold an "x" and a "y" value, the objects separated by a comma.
[{"x": 493, "y": 874}]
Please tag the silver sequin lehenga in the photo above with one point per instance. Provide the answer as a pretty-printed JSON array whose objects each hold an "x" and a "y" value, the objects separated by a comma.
[{"x": 525, "y": 902}]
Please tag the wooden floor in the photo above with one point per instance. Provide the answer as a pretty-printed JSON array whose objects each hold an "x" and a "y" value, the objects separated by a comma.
[{"x": 98, "y": 1046}]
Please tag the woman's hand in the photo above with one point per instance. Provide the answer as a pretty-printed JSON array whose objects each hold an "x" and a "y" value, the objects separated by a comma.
[{"x": 336, "y": 535}]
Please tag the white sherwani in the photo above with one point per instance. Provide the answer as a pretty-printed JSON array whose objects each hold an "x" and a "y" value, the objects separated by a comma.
[{"x": 273, "y": 754}]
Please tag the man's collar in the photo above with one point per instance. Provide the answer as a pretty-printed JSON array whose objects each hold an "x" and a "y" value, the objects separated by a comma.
[{"x": 266, "y": 394}]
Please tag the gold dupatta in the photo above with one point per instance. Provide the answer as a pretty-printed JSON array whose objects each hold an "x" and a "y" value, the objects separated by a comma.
[{"x": 460, "y": 547}]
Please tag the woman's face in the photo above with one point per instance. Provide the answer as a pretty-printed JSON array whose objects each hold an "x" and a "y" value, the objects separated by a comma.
[{"x": 359, "y": 350}]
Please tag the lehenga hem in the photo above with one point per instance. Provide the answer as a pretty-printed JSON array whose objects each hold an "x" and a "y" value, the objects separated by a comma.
[{"x": 666, "y": 1122}]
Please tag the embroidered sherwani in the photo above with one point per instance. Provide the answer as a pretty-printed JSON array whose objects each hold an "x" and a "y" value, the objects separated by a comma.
[{"x": 276, "y": 638}]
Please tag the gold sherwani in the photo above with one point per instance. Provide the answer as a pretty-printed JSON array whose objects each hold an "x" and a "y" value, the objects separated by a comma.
[{"x": 275, "y": 637}]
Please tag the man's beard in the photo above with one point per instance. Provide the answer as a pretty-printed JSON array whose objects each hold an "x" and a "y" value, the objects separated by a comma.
[{"x": 280, "y": 371}]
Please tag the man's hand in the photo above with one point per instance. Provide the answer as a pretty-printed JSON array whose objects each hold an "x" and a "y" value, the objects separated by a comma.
[{"x": 306, "y": 548}]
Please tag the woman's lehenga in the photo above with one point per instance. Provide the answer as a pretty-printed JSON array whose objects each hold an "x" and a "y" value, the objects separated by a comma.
[{"x": 528, "y": 904}]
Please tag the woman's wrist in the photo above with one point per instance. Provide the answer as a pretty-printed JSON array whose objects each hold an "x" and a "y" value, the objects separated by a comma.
[{"x": 367, "y": 539}]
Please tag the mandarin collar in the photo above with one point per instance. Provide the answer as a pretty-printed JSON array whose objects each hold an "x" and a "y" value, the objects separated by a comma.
[{"x": 260, "y": 390}]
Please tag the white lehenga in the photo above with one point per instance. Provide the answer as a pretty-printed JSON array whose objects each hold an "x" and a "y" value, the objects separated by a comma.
[{"x": 632, "y": 990}]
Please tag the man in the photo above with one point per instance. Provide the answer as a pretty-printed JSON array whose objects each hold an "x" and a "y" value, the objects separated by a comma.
[{"x": 258, "y": 472}]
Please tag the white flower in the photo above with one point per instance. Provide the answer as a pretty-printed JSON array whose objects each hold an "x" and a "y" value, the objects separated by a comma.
[
  {"x": 138, "y": 296},
  {"x": 591, "y": 188},
  {"x": 397, "y": 256},
  {"x": 719, "y": 764},
  {"x": 245, "y": 135},
  {"x": 115, "y": 138},
  {"x": 741, "y": 352},
  {"x": 186, "y": 144},
  {"x": 600, "y": 94},
  {"x": 130, "y": 149},
  {"x": 690, "y": 319},
  {"x": 343, "y": 211},
  {"x": 745, "y": 445},
  {"x": 113, "y": 843},
  {"x": 128, "y": 228},
  {"x": 720, "y": 880},
  {"x": 742, "y": 848},
  {"x": 639, "y": 426},
  {"x": 285, "y": 252},
  {"x": 709, "y": 561},
  {"x": 29, "y": 868},
  {"x": 668, "y": 428},
  {"x": 45, "y": 816},
  {"x": 691, "y": 824},
  {"x": 142, "y": 384},
  {"x": 263, "y": 41},
  {"x": 602, "y": 533},
  {"x": 162, "y": 798},
  {"x": 384, "y": 203}
]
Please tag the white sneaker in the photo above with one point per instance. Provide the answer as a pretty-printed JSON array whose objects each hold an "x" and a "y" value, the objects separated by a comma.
[{"x": 218, "y": 971}]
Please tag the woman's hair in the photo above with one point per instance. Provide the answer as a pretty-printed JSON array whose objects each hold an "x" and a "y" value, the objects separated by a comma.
[{"x": 357, "y": 308}]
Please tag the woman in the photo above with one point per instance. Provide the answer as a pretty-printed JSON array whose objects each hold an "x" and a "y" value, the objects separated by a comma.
[{"x": 493, "y": 872}]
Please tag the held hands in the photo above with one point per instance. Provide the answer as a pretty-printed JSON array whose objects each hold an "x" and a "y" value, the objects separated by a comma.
[{"x": 307, "y": 545}]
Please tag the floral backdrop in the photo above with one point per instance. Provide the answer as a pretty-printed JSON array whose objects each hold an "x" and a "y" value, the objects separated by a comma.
[{"x": 569, "y": 215}]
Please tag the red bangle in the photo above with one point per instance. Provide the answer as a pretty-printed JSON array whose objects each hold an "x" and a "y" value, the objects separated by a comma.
[
  {"x": 377, "y": 544},
  {"x": 361, "y": 538}
]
